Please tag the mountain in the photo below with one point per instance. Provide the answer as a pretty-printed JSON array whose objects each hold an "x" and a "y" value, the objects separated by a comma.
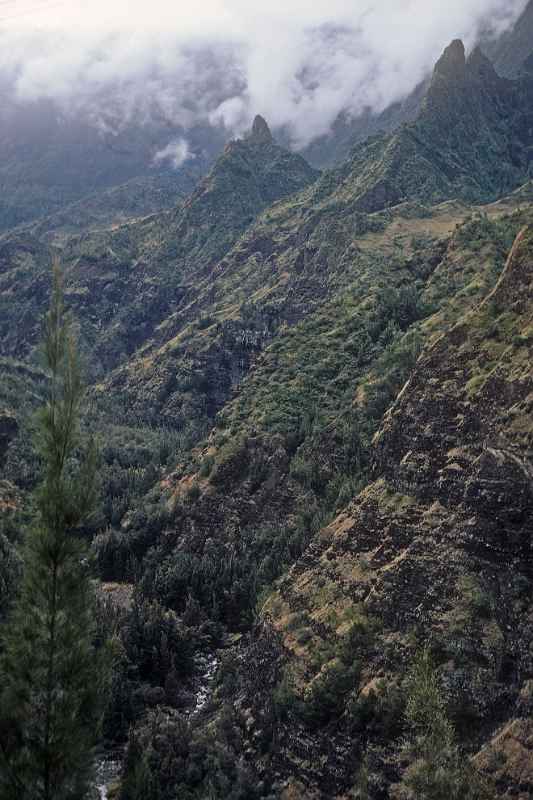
[
  {"x": 509, "y": 53},
  {"x": 303, "y": 435},
  {"x": 512, "y": 51},
  {"x": 470, "y": 140},
  {"x": 314, "y": 320},
  {"x": 51, "y": 159},
  {"x": 137, "y": 273},
  {"x": 437, "y": 547},
  {"x": 313, "y": 394},
  {"x": 251, "y": 174},
  {"x": 54, "y": 158}
]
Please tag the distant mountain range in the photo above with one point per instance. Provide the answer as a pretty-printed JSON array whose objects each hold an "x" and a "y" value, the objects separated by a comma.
[{"x": 52, "y": 159}]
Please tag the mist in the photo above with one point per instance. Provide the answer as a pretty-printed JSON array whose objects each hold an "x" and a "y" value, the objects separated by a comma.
[{"x": 299, "y": 63}]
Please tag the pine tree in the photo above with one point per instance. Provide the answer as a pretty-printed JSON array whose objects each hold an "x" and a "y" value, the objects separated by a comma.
[
  {"x": 438, "y": 770},
  {"x": 49, "y": 674}
]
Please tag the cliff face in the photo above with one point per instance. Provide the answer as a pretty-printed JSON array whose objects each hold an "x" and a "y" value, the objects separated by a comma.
[
  {"x": 438, "y": 547},
  {"x": 471, "y": 388}
]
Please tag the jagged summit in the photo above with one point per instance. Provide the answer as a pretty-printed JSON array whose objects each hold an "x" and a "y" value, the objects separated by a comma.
[
  {"x": 452, "y": 64},
  {"x": 480, "y": 66},
  {"x": 260, "y": 133},
  {"x": 470, "y": 120},
  {"x": 454, "y": 67}
]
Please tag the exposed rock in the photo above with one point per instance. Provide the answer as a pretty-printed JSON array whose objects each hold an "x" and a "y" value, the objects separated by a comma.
[
  {"x": 260, "y": 133},
  {"x": 508, "y": 759},
  {"x": 479, "y": 67},
  {"x": 452, "y": 64}
]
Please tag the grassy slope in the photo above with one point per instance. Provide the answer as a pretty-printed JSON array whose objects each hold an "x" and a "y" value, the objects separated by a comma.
[{"x": 295, "y": 440}]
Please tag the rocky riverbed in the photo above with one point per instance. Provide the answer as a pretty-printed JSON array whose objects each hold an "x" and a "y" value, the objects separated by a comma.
[
  {"x": 109, "y": 767},
  {"x": 108, "y": 770}
]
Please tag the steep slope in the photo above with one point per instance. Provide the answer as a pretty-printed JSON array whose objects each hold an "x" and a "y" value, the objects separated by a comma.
[
  {"x": 436, "y": 549},
  {"x": 512, "y": 51},
  {"x": 252, "y": 174},
  {"x": 123, "y": 281},
  {"x": 471, "y": 140},
  {"x": 293, "y": 442},
  {"x": 323, "y": 684}
]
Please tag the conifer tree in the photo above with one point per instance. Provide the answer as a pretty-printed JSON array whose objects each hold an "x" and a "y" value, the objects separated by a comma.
[
  {"x": 49, "y": 677},
  {"x": 438, "y": 770}
]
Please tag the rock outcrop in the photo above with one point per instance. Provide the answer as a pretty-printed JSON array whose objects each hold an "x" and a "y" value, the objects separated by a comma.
[{"x": 260, "y": 133}]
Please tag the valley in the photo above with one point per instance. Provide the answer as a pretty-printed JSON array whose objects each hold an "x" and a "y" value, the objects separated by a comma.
[{"x": 311, "y": 390}]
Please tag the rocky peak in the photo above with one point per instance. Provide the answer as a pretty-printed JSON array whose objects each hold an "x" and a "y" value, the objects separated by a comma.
[
  {"x": 260, "y": 133},
  {"x": 457, "y": 80},
  {"x": 479, "y": 66},
  {"x": 451, "y": 66}
]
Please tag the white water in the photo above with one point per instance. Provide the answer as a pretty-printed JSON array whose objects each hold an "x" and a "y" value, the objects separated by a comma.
[
  {"x": 108, "y": 769},
  {"x": 207, "y": 667}
]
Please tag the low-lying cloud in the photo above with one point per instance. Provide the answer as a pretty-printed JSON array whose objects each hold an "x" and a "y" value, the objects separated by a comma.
[
  {"x": 298, "y": 62},
  {"x": 176, "y": 153}
]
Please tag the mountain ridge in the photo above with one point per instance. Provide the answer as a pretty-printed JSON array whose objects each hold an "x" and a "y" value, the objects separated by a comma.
[{"x": 314, "y": 395}]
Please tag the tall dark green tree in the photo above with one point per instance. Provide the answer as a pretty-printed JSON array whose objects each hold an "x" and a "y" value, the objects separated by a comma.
[
  {"x": 438, "y": 770},
  {"x": 49, "y": 673}
]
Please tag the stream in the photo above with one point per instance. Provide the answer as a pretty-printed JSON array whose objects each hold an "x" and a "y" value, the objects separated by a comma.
[{"x": 109, "y": 768}]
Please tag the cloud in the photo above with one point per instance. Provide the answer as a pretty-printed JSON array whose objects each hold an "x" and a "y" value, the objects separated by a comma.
[
  {"x": 176, "y": 153},
  {"x": 297, "y": 62}
]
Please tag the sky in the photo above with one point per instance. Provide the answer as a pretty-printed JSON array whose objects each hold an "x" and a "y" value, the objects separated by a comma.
[{"x": 297, "y": 62}]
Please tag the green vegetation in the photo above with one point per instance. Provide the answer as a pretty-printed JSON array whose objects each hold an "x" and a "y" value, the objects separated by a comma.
[
  {"x": 49, "y": 701},
  {"x": 10, "y": 562},
  {"x": 171, "y": 757},
  {"x": 270, "y": 495},
  {"x": 438, "y": 770}
]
